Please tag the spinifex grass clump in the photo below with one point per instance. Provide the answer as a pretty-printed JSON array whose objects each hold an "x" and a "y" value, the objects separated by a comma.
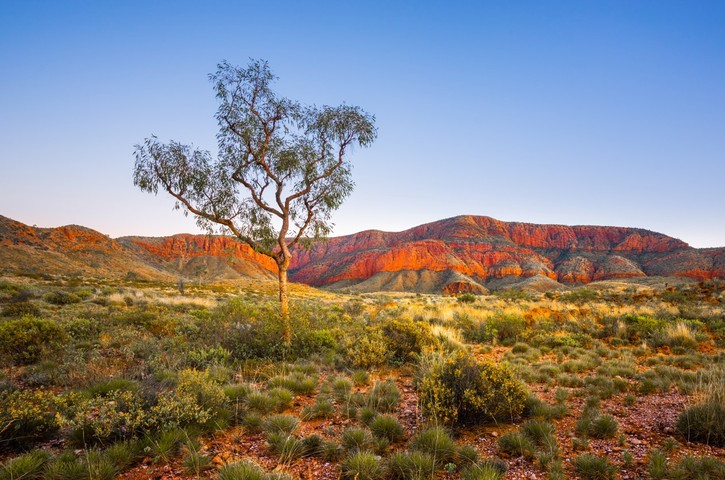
[{"x": 437, "y": 443}]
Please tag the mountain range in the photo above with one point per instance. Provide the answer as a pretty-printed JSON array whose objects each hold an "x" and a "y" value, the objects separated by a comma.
[{"x": 456, "y": 255}]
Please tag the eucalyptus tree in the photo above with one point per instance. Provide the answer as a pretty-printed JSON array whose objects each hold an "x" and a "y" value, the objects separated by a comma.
[{"x": 282, "y": 167}]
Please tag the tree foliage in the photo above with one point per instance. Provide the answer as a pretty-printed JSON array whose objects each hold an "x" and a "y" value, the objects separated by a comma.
[{"x": 281, "y": 166}]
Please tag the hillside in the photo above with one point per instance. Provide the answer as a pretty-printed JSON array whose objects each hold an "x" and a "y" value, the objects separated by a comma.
[
  {"x": 455, "y": 255},
  {"x": 471, "y": 253}
]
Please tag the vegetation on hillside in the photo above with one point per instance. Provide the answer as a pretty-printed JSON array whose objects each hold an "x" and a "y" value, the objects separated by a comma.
[{"x": 135, "y": 379}]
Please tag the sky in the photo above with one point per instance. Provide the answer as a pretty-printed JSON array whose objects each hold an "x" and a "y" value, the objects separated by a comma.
[{"x": 561, "y": 112}]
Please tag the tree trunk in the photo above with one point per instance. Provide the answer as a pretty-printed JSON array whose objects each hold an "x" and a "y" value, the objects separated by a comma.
[{"x": 284, "y": 304}]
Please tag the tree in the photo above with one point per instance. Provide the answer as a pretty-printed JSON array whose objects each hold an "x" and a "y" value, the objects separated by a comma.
[{"x": 281, "y": 170}]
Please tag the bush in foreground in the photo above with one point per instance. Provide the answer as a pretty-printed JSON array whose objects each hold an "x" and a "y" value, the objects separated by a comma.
[{"x": 456, "y": 389}]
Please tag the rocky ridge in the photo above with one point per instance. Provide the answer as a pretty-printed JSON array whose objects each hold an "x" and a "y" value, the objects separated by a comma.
[{"x": 456, "y": 255}]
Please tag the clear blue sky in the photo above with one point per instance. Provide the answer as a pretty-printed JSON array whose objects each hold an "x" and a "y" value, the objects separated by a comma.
[{"x": 567, "y": 112}]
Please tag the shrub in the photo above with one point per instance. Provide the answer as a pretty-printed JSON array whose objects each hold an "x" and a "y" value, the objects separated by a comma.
[
  {"x": 29, "y": 415},
  {"x": 196, "y": 401},
  {"x": 116, "y": 415},
  {"x": 517, "y": 444},
  {"x": 591, "y": 467},
  {"x": 285, "y": 424},
  {"x": 384, "y": 396},
  {"x": 406, "y": 338},
  {"x": 595, "y": 425},
  {"x": 354, "y": 439},
  {"x": 700, "y": 468},
  {"x": 466, "y": 298},
  {"x": 331, "y": 451},
  {"x": 369, "y": 350},
  {"x": 387, "y": 426},
  {"x": 106, "y": 387},
  {"x": 261, "y": 403},
  {"x": 322, "y": 408},
  {"x": 437, "y": 443},
  {"x": 167, "y": 444},
  {"x": 362, "y": 466},
  {"x": 704, "y": 423},
  {"x": 466, "y": 455},
  {"x": 28, "y": 339},
  {"x": 62, "y": 298},
  {"x": 207, "y": 357},
  {"x": 20, "y": 309},
  {"x": 459, "y": 390},
  {"x": 281, "y": 396},
  {"x": 312, "y": 445},
  {"x": 124, "y": 454},
  {"x": 539, "y": 432},
  {"x": 657, "y": 465},
  {"x": 29, "y": 466},
  {"x": 481, "y": 472},
  {"x": 504, "y": 327},
  {"x": 341, "y": 388},
  {"x": 244, "y": 470},
  {"x": 286, "y": 446},
  {"x": 296, "y": 382},
  {"x": 410, "y": 466}
]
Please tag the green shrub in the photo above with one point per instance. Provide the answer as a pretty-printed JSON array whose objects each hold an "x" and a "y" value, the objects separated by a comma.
[
  {"x": 29, "y": 466},
  {"x": 704, "y": 423},
  {"x": 282, "y": 398},
  {"x": 591, "y": 467},
  {"x": 82, "y": 329},
  {"x": 466, "y": 455},
  {"x": 196, "y": 401},
  {"x": 387, "y": 426},
  {"x": 517, "y": 444},
  {"x": 539, "y": 432},
  {"x": 466, "y": 298},
  {"x": 206, "y": 357},
  {"x": 362, "y": 466},
  {"x": 106, "y": 387},
  {"x": 354, "y": 439},
  {"x": 30, "y": 415},
  {"x": 27, "y": 339},
  {"x": 322, "y": 408},
  {"x": 261, "y": 403},
  {"x": 384, "y": 396},
  {"x": 124, "y": 454},
  {"x": 459, "y": 390},
  {"x": 116, "y": 415},
  {"x": 657, "y": 465},
  {"x": 405, "y": 338},
  {"x": 286, "y": 446},
  {"x": 20, "y": 309},
  {"x": 312, "y": 445},
  {"x": 311, "y": 342},
  {"x": 410, "y": 466},
  {"x": 285, "y": 424},
  {"x": 331, "y": 451},
  {"x": 437, "y": 443},
  {"x": 368, "y": 350},
  {"x": 700, "y": 468},
  {"x": 341, "y": 388},
  {"x": 481, "y": 472},
  {"x": 298, "y": 383},
  {"x": 62, "y": 298},
  {"x": 244, "y": 470}
]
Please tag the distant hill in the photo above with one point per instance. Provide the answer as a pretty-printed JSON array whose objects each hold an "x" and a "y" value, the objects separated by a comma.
[
  {"x": 455, "y": 255},
  {"x": 474, "y": 253}
]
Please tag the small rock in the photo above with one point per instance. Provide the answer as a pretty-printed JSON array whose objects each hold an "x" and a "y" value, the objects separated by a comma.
[{"x": 494, "y": 434}]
